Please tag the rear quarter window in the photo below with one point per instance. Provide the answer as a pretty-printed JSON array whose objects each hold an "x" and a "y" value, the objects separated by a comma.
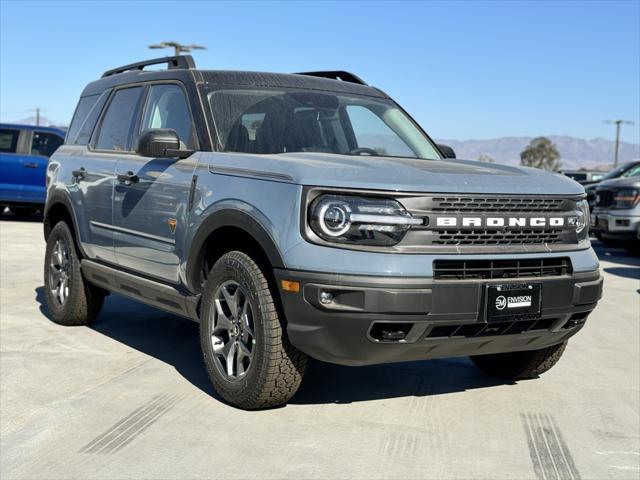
[{"x": 85, "y": 118}]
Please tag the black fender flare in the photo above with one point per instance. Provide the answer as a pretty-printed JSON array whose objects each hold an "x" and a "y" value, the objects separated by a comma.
[
  {"x": 228, "y": 218},
  {"x": 60, "y": 197}
]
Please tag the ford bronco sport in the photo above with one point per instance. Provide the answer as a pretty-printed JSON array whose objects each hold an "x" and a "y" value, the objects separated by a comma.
[{"x": 308, "y": 214}]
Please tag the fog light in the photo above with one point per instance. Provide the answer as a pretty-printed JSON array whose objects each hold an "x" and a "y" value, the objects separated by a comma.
[{"x": 326, "y": 297}]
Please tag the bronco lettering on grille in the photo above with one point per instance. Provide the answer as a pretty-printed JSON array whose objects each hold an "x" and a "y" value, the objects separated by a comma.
[{"x": 500, "y": 222}]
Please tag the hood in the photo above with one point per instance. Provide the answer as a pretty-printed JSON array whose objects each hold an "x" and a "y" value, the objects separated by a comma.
[
  {"x": 396, "y": 174},
  {"x": 620, "y": 182}
]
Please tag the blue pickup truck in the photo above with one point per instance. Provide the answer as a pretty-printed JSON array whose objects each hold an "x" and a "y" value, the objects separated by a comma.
[{"x": 24, "y": 155}]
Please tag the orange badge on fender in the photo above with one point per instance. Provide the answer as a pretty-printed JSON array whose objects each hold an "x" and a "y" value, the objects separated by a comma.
[{"x": 172, "y": 224}]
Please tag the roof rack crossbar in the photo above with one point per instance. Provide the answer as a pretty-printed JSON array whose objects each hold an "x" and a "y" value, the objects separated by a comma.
[
  {"x": 179, "y": 61},
  {"x": 336, "y": 75}
]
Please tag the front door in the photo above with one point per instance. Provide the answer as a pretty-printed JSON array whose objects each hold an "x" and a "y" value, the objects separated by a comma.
[{"x": 152, "y": 194}]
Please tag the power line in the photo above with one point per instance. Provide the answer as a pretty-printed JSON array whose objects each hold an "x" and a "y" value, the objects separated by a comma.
[
  {"x": 617, "y": 123},
  {"x": 177, "y": 47}
]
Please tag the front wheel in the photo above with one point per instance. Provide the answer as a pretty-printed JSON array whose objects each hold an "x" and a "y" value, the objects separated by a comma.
[
  {"x": 248, "y": 356},
  {"x": 71, "y": 300},
  {"x": 520, "y": 365}
]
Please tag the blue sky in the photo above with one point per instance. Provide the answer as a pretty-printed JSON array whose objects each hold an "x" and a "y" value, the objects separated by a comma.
[{"x": 464, "y": 70}]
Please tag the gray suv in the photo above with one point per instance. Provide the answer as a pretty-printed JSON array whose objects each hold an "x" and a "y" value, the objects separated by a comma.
[{"x": 297, "y": 215}]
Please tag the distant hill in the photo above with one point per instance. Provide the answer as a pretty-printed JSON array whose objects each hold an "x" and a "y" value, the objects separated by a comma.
[
  {"x": 575, "y": 153},
  {"x": 44, "y": 121}
]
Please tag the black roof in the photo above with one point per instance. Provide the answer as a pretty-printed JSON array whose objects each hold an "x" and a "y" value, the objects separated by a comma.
[{"x": 183, "y": 68}]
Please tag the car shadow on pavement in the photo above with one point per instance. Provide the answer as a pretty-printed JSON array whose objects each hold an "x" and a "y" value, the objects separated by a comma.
[
  {"x": 168, "y": 338},
  {"x": 175, "y": 341},
  {"x": 7, "y": 216}
]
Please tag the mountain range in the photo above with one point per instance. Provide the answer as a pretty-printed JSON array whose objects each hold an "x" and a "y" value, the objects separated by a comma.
[{"x": 575, "y": 153}]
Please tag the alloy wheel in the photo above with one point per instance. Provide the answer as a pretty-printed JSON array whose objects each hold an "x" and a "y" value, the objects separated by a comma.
[
  {"x": 60, "y": 271},
  {"x": 232, "y": 332}
]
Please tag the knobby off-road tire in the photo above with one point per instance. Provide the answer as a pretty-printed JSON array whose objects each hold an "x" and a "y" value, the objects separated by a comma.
[
  {"x": 238, "y": 308},
  {"x": 520, "y": 365},
  {"x": 71, "y": 300}
]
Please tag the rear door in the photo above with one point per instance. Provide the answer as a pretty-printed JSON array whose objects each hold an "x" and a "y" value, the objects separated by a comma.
[
  {"x": 10, "y": 167},
  {"x": 110, "y": 142},
  {"x": 34, "y": 166},
  {"x": 149, "y": 211}
]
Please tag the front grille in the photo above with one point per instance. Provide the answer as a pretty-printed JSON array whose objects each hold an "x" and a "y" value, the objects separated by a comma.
[
  {"x": 476, "y": 222},
  {"x": 491, "y": 329},
  {"x": 500, "y": 269},
  {"x": 501, "y": 204},
  {"x": 496, "y": 237},
  {"x": 604, "y": 198}
]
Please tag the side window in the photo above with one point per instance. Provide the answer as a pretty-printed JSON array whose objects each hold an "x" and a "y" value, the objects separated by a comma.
[
  {"x": 45, "y": 144},
  {"x": 117, "y": 121},
  {"x": 80, "y": 115},
  {"x": 8, "y": 140},
  {"x": 85, "y": 118},
  {"x": 167, "y": 108},
  {"x": 372, "y": 132}
]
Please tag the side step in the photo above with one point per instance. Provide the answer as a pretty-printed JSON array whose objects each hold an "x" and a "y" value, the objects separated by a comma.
[{"x": 153, "y": 293}]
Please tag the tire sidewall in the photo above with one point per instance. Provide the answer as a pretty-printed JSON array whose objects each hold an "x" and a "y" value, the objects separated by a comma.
[
  {"x": 61, "y": 232},
  {"x": 230, "y": 268}
]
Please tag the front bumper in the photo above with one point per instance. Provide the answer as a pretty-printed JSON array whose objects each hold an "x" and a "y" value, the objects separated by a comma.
[
  {"x": 437, "y": 318},
  {"x": 616, "y": 225}
]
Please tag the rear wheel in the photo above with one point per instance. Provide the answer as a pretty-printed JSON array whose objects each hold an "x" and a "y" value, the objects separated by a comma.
[
  {"x": 520, "y": 365},
  {"x": 23, "y": 211},
  {"x": 71, "y": 300},
  {"x": 244, "y": 343}
]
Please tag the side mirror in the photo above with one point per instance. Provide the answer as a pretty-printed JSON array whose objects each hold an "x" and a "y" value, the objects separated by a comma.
[
  {"x": 160, "y": 143},
  {"x": 447, "y": 151}
]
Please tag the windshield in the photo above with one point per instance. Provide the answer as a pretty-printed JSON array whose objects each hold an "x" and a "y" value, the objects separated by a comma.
[
  {"x": 271, "y": 121},
  {"x": 617, "y": 172},
  {"x": 633, "y": 172}
]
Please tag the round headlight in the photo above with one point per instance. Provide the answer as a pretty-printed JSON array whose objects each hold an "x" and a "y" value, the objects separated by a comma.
[
  {"x": 334, "y": 217},
  {"x": 582, "y": 215}
]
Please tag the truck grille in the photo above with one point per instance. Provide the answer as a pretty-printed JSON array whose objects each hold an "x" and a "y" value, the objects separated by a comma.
[
  {"x": 482, "y": 223},
  {"x": 499, "y": 269},
  {"x": 494, "y": 204},
  {"x": 604, "y": 198},
  {"x": 493, "y": 237}
]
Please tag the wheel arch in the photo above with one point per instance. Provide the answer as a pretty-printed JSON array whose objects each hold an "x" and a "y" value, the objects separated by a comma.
[
  {"x": 226, "y": 230},
  {"x": 59, "y": 208}
]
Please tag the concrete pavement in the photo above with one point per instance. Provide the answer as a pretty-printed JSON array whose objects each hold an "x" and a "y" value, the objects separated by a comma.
[{"x": 129, "y": 398}]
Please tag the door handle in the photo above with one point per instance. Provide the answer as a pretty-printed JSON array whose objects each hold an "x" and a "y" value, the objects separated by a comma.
[
  {"x": 79, "y": 174},
  {"x": 127, "y": 178},
  {"x": 31, "y": 165}
]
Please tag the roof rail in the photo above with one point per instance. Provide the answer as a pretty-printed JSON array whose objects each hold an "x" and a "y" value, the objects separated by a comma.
[
  {"x": 179, "y": 61},
  {"x": 336, "y": 75}
]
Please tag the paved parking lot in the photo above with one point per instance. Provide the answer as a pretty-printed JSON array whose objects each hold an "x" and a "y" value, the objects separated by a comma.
[{"x": 129, "y": 398}]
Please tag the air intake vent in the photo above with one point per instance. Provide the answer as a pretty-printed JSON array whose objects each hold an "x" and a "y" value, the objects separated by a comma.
[
  {"x": 491, "y": 329},
  {"x": 499, "y": 269}
]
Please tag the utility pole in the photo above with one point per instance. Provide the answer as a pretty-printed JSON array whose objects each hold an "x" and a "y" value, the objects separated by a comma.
[
  {"x": 177, "y": 47},
  {"x": 37, "y": 110},
  {"x": 617, "y": 123}
]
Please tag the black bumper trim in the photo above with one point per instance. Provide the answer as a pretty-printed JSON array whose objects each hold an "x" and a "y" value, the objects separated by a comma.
[{"x": 339, "y": 332}]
